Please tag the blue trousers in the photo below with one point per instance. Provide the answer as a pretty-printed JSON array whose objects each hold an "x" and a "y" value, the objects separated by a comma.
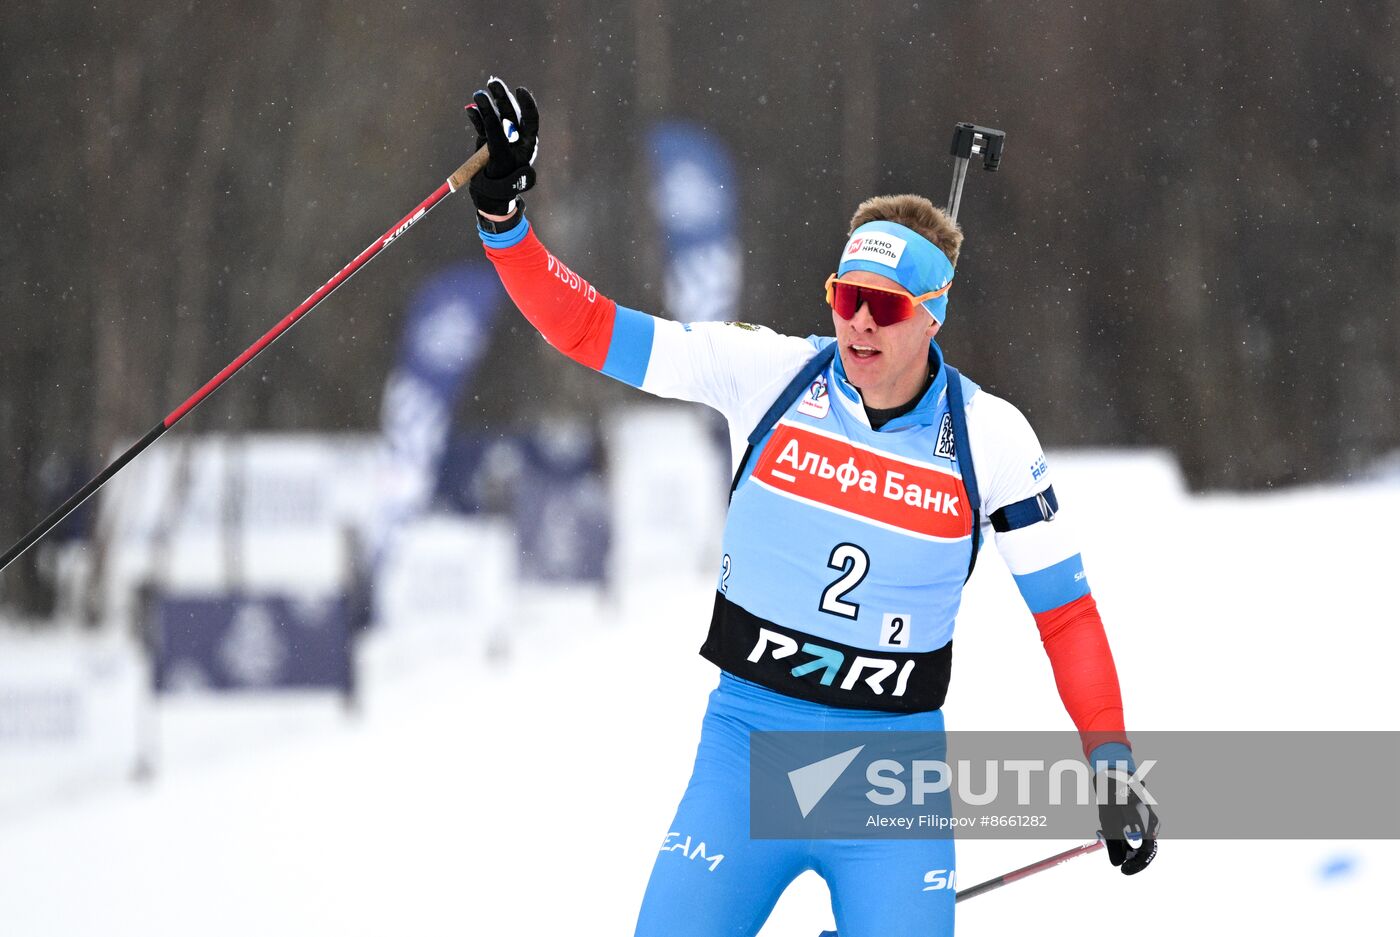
[{"x": 877, "y": 885}]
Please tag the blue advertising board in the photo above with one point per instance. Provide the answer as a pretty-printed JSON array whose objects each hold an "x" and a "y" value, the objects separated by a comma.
[
  {"x": 224, "y": 642},
  {"x": 550, "y": 483}
]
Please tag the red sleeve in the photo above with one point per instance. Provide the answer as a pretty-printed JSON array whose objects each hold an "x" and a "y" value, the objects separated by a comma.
[
  {"x": 571, "y": 315},
  {"x": 1078, "y": 649}
]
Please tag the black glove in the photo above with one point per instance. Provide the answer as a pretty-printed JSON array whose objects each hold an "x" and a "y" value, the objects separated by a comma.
[
  {"x": 1125, "y": 822},
  {"x": 509, "y": 125}
]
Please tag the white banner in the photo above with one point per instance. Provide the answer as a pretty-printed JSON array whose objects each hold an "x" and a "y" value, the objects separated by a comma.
[{"x": 70, "y": 714}]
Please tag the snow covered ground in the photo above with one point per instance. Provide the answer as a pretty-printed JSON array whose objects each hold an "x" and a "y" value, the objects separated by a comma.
[{"x": 472, "y": 797}]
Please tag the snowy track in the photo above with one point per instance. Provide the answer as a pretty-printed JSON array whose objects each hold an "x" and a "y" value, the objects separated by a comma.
[{"x": 530, "y": 799}]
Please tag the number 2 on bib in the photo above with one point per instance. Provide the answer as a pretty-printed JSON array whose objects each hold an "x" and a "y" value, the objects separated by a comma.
[{"x": 854, "y": 563}]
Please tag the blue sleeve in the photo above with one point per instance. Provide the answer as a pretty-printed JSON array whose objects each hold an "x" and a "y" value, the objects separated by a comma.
[
  {"x": 1054, "y": 586},
  {"x": 1112, "y": 753},
  {"x": 509, "y": 239},
  {"x": 630, "y": 348}
]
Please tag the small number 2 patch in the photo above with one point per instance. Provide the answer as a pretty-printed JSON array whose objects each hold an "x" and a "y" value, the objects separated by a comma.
[{"x": 894, "y": 630}]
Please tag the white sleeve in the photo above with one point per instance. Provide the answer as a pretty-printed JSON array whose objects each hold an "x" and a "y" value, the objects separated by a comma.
[
  {"x": 1011, "y": 467},
  {"x": 1006, "y": 455},
  {"x": 737, "y": 368}
]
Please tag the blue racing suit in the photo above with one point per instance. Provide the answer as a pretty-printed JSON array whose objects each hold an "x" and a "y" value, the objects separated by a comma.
[{"x": 845, "y": 552}]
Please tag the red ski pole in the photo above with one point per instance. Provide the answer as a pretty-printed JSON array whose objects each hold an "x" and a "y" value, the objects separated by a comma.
[{"x": 454, "y": 182}]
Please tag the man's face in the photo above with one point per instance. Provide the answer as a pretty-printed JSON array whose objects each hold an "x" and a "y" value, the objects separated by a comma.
[{"x": 888, "y": 363}]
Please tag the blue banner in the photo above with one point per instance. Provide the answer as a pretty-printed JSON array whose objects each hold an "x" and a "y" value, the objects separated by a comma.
[
  {"x": 561, "y": 507},
  {"x": 446, "y": 331},
  {"x": 550, "y": 482},
  {"x": 251, "y": 643},
  {"x": 695, "y": 200}
]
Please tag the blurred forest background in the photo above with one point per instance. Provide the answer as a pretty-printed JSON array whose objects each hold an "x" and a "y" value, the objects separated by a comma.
[{"x": 1192, "y": 242}]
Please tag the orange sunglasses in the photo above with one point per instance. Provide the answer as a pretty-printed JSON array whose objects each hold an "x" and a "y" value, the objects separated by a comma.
[{"x": 886, "y": 306}]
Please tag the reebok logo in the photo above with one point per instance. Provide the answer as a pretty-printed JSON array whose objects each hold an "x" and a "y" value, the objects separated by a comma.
[{"x": 811, "y": 782}]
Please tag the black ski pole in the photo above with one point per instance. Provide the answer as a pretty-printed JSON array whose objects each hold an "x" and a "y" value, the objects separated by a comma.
[{"x": 992, "y": 884}]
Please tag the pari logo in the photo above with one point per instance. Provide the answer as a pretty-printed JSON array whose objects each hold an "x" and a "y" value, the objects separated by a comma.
[
  {"x": 863, "y": 672},
  {"x": 816, "y": 402},
  {"x": 885, "y": 249}
]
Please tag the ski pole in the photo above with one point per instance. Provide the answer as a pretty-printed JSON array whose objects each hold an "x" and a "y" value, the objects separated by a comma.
[
  {"x": 994, "y": 883},
  {"x": 1050, "y": 862},
  {"x": 970, "y": 140},
  {"x": 461, "y": 177}
]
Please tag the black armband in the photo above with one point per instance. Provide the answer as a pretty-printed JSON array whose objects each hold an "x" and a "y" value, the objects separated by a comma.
[
  {"x": 1033, "y": 510},
  {"x": 501, "y": 227}
]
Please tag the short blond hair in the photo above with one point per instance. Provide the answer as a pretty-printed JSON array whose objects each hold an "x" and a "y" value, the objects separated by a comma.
[{"x": 917, "y": 214}]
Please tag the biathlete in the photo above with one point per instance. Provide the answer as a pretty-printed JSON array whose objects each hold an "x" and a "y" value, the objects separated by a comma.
[{"x": 854, "y": 521}]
